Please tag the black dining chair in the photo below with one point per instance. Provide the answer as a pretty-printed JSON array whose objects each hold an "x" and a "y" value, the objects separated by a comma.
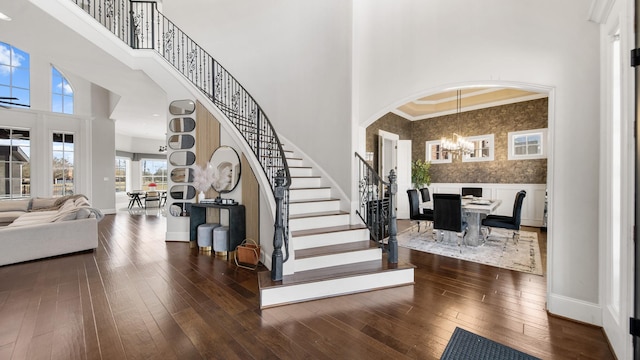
[
  {"x": 447, "y": 215},
  {"x": 414, "y": 209},
  {"x": 506, "y": 222},
  {"x": 424, "y": 194},
  {"x": 474, "y": 191}
]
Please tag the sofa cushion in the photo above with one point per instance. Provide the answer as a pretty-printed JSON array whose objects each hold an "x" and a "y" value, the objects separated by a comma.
[
  {"x": 7, "y": 217},
  {"x": 40, "y": 204},
  {"x": 32, "y": 218},
  {"x": 14, "y": 205}
]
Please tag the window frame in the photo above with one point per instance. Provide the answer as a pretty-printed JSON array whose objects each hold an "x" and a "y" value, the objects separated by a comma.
[
  {"x": 492, "y": 145},
  {"x": 543, "y": 144},
  {"x": 11, "y": 87},
  {"x": 11, "y": 195},
  {"x": 61, "y": 95},
  {"x": 160, "y": 185},
  {"x": 64, "y": 151},
  {"x": 428, "y": 146}
]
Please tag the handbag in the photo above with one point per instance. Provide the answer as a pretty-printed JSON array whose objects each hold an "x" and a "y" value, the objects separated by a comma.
[{"x": 247, "y": 254}]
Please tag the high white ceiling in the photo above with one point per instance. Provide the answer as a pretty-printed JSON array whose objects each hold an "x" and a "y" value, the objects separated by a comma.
[{"x": 138, "y": 103}]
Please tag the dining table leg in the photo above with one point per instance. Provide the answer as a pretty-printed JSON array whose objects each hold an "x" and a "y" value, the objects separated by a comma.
[{"x": 474, "y": 234}]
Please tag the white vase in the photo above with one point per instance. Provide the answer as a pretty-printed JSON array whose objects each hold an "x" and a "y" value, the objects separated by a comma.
[{"x": 201, "y": 196}]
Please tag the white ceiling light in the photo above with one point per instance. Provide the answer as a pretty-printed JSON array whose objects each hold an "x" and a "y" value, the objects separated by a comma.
[{"x": 4, "y": 17}]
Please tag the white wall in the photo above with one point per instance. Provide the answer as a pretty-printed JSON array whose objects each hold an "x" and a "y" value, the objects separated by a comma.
[
  {"x": 409, "y": 48},
  {"x": 293, "y": 57}
]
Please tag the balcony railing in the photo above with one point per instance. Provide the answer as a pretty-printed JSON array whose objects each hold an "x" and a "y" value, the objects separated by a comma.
[{"x": 141, "y": 26}]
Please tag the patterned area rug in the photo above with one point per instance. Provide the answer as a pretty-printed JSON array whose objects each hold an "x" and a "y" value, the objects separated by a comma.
[{"x": 524, "y": 257}]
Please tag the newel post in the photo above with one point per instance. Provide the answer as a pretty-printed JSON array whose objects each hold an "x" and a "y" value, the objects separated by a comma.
[
  {"x": 393, "y": 226},
  {"x": 278, "y": 235}
]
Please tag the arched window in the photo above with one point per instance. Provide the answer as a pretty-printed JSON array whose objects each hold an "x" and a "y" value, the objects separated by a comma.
[
  {"x": 14, "y": 76},
  {"x": 61, "y": 93}
]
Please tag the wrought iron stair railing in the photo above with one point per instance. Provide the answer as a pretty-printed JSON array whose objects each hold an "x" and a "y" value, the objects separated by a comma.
[
  {"x": 141, "y": 26},
  {"x": 376, "y": 207}
]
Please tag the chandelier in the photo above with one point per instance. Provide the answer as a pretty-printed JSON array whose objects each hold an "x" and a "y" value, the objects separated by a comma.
[{"x": 457, "y": 146}]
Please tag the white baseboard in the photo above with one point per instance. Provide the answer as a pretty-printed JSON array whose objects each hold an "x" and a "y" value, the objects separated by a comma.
[
  {"x": 574, "y": 309},
  {"x": 177, "y": 236}
]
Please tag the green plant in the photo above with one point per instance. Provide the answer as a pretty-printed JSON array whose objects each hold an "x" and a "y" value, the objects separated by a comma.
[{"x": 420, "y": 173}]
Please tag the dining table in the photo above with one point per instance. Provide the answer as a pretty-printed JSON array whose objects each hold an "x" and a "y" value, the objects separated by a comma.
[{"x": 474, "y": 209}]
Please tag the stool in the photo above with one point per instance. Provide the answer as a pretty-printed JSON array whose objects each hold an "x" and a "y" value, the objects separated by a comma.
[
  {"x": 221, "y": 238},
  {"x": 205, "y": 234}
]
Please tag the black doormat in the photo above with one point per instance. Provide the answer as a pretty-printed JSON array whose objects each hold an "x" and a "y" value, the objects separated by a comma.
[{"x": 469, "y": 346}]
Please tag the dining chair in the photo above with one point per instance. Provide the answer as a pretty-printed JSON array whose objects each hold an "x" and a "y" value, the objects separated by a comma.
[
  {"x": 447, "y": 216},
  {"x": 424, "y": 194},
  {"x": 152, "y": 196},
  {"x": 132, "y": 199},
  {"x": 506, "y": 222},
  {"x": 474, "y": 191},
  {"x": 414, "y": 209}
]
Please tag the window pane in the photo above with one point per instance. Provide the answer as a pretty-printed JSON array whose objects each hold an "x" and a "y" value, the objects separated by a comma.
[
  {"x": 5, "y": 91},
  {"x": 56, "y": 103},
  {"x": 56, "y": 83},
  {"x": 19, "y": 58},
  {"x": 66, "y": 88},
  {"x": 520, "y": 150},
  {"x": 22, "y": 95},
  {"x": 519, "y": 140},
  {"x": 5, "y": 75},
  {"x": 68, "y": 105},
  {"x": 21, "y": 78}
]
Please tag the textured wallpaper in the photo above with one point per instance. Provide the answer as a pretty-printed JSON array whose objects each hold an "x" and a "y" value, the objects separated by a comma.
[{"x": 499, "y": 120}]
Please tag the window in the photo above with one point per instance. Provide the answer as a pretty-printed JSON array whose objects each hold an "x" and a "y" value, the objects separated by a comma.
[
  {"x": 435, "y": 153},
  {"x": 528, "y": 144},
  {"x": 121, "y": 174},
  {"x": 154, "y": 171},
  {"x": 15, "y": 153},
  {"x": 61, "y": 93},
  {"x": 14, "y": 76},
  {"x": 63, "y": 172},
  {"x": 482, "y": 148}
]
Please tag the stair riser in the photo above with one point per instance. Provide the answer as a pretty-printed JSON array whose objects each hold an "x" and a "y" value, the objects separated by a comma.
[
  {"x": 295, "y": 162},
  {"x": 334, "y": 287},
  {"x": 352, "y": 257},
  {"x": 307, "y": 194},
  {"x": 314, "y": 207},
  {"x": 334, "y": 238},
  {"x": 306, "y": 182},
  {"x": 301, "y": 171},
  {"x": 318, "y": 222}
]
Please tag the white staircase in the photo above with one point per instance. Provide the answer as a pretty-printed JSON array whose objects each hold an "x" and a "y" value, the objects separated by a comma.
[{"x": 331, "y": 257}]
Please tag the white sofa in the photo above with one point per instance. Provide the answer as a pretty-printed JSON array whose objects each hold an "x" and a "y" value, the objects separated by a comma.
[{"x": 47, "y": 227}]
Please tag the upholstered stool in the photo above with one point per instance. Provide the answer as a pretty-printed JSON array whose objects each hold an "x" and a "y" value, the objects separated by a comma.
[
  {"x": 221, "y": 239},
  {"x": 205, "y": 235}
]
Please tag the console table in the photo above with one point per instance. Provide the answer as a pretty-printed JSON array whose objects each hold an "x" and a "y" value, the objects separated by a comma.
[{"x": 237, "y": 229}]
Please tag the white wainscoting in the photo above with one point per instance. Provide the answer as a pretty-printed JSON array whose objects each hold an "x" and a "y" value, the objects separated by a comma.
[{"x": 532, "y": 207}]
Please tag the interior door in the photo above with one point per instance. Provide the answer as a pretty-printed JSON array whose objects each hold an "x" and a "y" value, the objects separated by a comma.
[
  {"x": 387, "y": 153},
  {"x": 404, "y": 178}
]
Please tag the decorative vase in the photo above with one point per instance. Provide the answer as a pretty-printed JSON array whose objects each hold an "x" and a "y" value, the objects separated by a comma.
[{"x": 201, "y": 196}]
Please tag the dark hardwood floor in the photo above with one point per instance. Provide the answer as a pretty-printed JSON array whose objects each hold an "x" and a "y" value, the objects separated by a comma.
[{"x": 139, "y": 297}]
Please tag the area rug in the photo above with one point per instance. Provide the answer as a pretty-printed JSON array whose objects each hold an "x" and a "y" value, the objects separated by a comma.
[
  {"x": 524, "y": 257},
  {"x": 469, "y": 346}
]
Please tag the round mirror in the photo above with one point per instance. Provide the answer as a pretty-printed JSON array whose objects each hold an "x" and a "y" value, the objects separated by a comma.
[
  {"x": 226, "y": 165},
  {"x": 180, "y": 209},
  {"x": 177, "y": 142},
  {"x": 182, "y": 175},
  {"x": 182, "y": 192},
  {"x": 182, "y": 124},
  {"x": 182, "y": 107},
  {"x": 182, "y": 158}
]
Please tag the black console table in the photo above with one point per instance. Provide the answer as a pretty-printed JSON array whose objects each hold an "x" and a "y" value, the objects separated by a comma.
[{"x": 237, "y": 229}]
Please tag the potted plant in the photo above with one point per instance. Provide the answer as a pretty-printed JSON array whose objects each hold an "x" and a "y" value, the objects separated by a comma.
[{"x": 420, "y": 173}]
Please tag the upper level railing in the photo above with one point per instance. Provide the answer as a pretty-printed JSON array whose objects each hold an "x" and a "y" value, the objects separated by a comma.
[
  {"x": 141, "y": 26},
  {"x": 375, "y": 207}
]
